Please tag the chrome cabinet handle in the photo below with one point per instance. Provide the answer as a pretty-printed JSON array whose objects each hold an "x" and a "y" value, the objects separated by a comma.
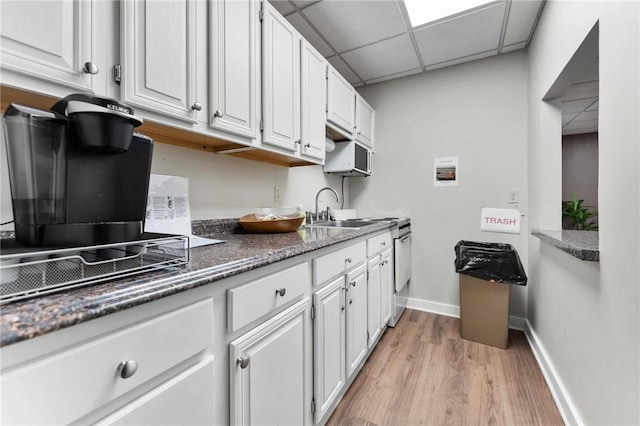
[
  {"x": 298, "y": 142},
  {"x": 353, "y": 283},
  {"x": 243, "y": 361},
  {"x": 350, "y": 301},
  {"x": 384, "y": 243},
  {"x": 127, "y": 368},
  {"x": 197, "y": 106},
  {"x": 218, "y": 114},
  {"x": 281, "y": 292},
  {"x": 342, "y": 308},
  {"x": 307, "y": 145},
  {"x": 90, "y": 68},
  {"x": 348, "y": 260}
]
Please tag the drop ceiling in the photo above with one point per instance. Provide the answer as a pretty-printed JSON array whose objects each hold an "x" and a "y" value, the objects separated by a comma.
[
  {"x": 580, "y": 103},
  {"x": 369, "y": 41}
]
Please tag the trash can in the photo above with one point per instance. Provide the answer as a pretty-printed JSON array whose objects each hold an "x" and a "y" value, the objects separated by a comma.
[{"x": 487, "y": 271}]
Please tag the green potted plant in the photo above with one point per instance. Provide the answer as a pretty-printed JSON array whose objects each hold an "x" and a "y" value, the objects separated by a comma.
[{"x": 579, "y": 214}]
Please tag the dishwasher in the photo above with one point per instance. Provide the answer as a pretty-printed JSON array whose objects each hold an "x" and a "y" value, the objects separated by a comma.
[{"x": 402, "y": 267}]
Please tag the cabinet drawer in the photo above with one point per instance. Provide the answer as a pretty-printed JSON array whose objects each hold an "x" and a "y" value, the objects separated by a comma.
[
  {"x": 332, "y": 264},
  {"x": 378, "y": 243},
  {"x": 251, "y": 301},
  {"x": 74, "y": 382}
]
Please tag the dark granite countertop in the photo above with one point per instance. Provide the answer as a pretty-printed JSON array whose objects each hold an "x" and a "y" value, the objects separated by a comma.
[
  {"x": 581, "y": 244},
  {"x": 241, "y": 252}
]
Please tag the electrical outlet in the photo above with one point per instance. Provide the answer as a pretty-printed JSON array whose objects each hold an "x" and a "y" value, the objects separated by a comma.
[
  {"x": 276, "y": 193},
  {"x": 513, "y": 196}
]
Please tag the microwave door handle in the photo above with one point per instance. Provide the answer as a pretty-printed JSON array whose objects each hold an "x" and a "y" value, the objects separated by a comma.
[{"x": 370, "y": 155}]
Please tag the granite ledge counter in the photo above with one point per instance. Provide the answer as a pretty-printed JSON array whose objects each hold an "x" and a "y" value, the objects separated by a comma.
[
  {"x": 580, "y": 244},
  {"x": 241, "y": 252}
]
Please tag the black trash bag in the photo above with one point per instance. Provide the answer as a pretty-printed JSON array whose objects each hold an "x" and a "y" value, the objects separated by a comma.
[{"x": 497, "y": 262}]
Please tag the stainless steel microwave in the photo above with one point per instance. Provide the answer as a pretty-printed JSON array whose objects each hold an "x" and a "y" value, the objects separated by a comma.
[{"x": 349, "y": 159}]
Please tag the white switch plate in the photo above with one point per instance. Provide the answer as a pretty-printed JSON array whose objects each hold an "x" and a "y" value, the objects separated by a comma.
[
  {"x": 513, "y": 196},
  {"x": 276, "y": 193}
]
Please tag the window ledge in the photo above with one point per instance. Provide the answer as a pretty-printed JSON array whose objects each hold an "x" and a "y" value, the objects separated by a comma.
[{"x": 580, "y": 244}]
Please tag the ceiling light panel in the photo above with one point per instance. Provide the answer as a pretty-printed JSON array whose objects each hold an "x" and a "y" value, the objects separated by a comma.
[
  {"x": 463, "y": 36},
  {"x": 350, "y": 24},
  {"x": 390, "y": 56},
  {"x": 425, "y": 11}
]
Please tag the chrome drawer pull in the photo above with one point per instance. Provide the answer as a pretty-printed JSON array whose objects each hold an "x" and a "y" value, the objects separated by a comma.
[
  {"x": 281, "y": 291},
  {"x": 127, "y": 368},
  {"x": 243, "y": 361}
]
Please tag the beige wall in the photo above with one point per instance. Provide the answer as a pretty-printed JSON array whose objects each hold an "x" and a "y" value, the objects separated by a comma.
[
  {"x": 477, "y": 111},
  {"x": 586, "y": 315}
]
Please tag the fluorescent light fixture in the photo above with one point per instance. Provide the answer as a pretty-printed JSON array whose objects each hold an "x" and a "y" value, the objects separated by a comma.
[{"x": 423, "y": 11}]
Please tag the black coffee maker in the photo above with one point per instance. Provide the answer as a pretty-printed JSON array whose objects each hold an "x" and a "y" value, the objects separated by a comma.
[{"x": 78, "y": 174}]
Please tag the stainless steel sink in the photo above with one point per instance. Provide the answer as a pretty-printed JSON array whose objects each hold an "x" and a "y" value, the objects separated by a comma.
[{"x": 351, "y": 224}]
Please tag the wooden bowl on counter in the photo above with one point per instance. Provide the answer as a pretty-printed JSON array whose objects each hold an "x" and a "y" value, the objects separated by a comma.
[{"x": 251, "y": 224}]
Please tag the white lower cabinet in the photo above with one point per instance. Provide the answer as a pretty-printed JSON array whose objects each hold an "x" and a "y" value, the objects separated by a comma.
[
  {"x": 386, "y": 285},
  {"x": 356, "y": 307},
  {"x": 329, "y": 345},
  {"x": 68, "y": 385},
  {"x": 270, "y": 371},
  {"x": 178, "y": 401},
  {"x": 374, "y": 306}
]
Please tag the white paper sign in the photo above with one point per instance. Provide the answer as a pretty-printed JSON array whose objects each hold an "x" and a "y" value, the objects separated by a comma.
[
  {"x": 168, "y": 209},
  {"x": 446, "y": 171},
  {"x": 500, "y": 220}
]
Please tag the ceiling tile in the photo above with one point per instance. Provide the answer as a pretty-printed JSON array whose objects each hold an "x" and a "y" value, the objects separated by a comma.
[
  {"x": 581, "y": 91},
  {"x": 462, "y": 36},
  {"x": 387, "y": 57},
  {"x": 594, "y": 106},
  {"x": 310, "y": 34},
  {"x": 580, "y": 127},
  {"x": 522, "y": 17},
  {"x": 576, "y": 106},
  {"x": 343, "y": 69},
  {"x": 392, "y": 76},
  {"x": 566, "y": 118},
  {"x": 303, "y": 3},
  {"x": 283, "y": 6},
  {"x": 592, "y": 73},
  {"x": 513, "y": 47},
  {"x": 350, "y": 24},
  {"x": 462, "y": 60},
  {"x": 586, "y": 116}
]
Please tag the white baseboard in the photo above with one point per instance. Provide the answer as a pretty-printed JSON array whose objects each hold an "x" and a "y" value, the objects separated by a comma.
[
  {"x": 516, "y": 323},
  {"x": 566, "y": 407}
]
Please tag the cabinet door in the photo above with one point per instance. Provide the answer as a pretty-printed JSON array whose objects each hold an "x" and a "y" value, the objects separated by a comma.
[
  {"x": 280, "y": 81},
  {"x": 158, "y": 48},
  {"x": 386, "y": 286},
  {"x": 270, "y": 373},
  {"x": 47, "y": 40},
  {"x": 356, "y": 318},
  {"x": 374, "y": 315},
  {"x": 234, "y": 61},
  {"x": 329, "y": 345},
  {"x": 340, "y": 104},
  {"x": 364, "y": 122},
  {"x": 313, "y": 96},
  {"x": 184, "y": 399}
]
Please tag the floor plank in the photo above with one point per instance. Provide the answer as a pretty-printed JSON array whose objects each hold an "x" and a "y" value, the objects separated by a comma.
[{"x": 423, "y": 373}]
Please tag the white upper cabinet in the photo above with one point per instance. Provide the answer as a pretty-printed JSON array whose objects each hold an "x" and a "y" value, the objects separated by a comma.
[
  {"x": 234, "y": 64},
  {"x": 364, "y": 122},
  {"x": 158, "y": 52},
  {"x": 340, "y": 104},
  {"x": 313, "y": 68},
  {"x": 48, "y": 42},
  {"x": 280, "y": 81}
]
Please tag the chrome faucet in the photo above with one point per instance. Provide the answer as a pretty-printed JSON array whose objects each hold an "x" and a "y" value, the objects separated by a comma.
[{"x": 316, "y": 216}]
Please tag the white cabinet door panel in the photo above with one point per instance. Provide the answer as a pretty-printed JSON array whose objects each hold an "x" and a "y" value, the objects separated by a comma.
[
  {"x": 374, "y": 315},
  {"x": 364, "y": 122},
  {"x": 313, "y": 95},
  {"x": 340, "y": 103},
  {"x": 48, "y": 40},
  {"x": 386, "y": 285},
  {"x": 281, "y": 81},
  {"x": 356, "y": 318},
  {"x": 234, "y": 64},
  {"x": 329, "y": 345},
  {"x": 274, "y": 385},
  {"x": 159, "y": 61}
]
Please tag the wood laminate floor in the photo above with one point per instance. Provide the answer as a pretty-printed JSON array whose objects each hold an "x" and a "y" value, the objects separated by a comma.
[{"x": 423, "y": 373}]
